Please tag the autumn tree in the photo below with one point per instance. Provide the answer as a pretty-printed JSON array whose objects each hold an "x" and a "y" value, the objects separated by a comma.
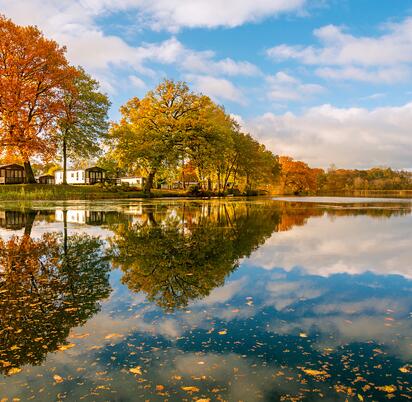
[
  {"x": 297, "y": 177},
  {"x": 84, "y": 120},
  {"x": 33, "y": 75},
  {"x": 152, "y": 130}
]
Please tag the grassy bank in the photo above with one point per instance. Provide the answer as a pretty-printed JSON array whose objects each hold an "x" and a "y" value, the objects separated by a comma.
[{"x": 25, "y": 192}]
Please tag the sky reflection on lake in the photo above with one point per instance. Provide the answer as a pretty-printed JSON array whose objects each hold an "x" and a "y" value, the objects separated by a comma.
[{"x": 206, "y": 300}]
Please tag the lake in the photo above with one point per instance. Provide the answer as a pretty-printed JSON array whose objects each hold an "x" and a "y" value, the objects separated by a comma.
[{"x": 242, "y": 300}]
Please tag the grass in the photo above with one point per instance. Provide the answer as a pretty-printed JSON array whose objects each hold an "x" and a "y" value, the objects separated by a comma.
[{"x": 32, "y": 192}]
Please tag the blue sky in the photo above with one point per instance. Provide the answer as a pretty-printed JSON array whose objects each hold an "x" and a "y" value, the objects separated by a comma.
[{"x": 325, "y": 81}]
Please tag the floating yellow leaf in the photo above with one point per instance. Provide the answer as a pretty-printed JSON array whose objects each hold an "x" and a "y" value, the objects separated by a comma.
[
  {"x": 14, "y": 370},
  {"x": 65, "y": 347},
  {"x": 387, "y": 388},
  {"x": 79, "y": 336},
  {"x": 191, "y": 389},
  {"x": 316, "y": 373},
  {"x": 110, "y": 336},
  {"x": 58, "y": 379},
  {"x": 224, "y": 332},
  {"x": 360, "y": 397},
  {"x": 303, "y": 335},
  {"x": 136, "y": 370},
  {"x": 405, "y": 369},
  {"x": 160, "y": 387}
]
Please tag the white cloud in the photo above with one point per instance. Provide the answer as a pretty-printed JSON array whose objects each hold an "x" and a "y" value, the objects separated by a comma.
[
  {"x": 385, "y": 58},
  {"x": 177, "y": 14},
  {"x": 284, "y": 87},
  {"x": 137, "y": 82},
  {"x": 75, "y": 25},
  {"x": 348, "y": 137},
  {"x": 217, "y": 88},
  {"x": 386, "y": 75}
]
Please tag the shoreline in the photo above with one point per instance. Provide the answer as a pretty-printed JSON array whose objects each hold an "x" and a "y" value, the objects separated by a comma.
[{"x": 47, "y": 192}]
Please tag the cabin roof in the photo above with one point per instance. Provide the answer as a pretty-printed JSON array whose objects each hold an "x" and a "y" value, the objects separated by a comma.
[
  {"x": 12, "y": 166},
  {"x": 82, "y": 170}
]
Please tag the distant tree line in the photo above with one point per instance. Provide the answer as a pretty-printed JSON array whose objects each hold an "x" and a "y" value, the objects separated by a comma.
[{"x": 298, "y": 178}]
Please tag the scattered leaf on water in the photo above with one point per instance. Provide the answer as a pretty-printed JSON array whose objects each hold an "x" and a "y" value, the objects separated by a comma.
[
  {"x": 58, "y": 379},
  {"x": 111, "y": 336},
  {"x": 191, "y": 389},
  {"x": 136, "y": 370},
  {"x": 224, "y": 332},
  {"x": 387, "y": 388},
  {"x": 65, "y": 347}
]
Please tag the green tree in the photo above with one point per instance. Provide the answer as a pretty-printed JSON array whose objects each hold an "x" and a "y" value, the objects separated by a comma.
[
  {"x": 153, "y": 130},
  {"x": 84, "y": 122}
]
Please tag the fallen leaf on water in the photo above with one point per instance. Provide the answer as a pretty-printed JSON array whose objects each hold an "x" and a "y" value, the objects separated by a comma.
[
  {"x": 387, "y": 388},
  {"x": 136, "y": 370},
  {"x": 203, "y": 400},
  {"x": 160, "y": 387},
  {"x": 224, "y": 332},
  {"x": 303, "y": 335},
  {"x": 191, "y": 389},
  {"x": 58, "y": 379},
  {"x": 405, "y": 369},
  {"x": 110, "y": 336},
  {"x": 315, "y": 373},
  {"x": 14, "y": 370},
  {"x": 360, "y": 397},
  {"x": 65, "y": 347},
  {"x": 79, "y": 336}
]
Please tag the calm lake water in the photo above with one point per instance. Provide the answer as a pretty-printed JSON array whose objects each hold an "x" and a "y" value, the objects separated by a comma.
[{"x": 263, "y": 300}]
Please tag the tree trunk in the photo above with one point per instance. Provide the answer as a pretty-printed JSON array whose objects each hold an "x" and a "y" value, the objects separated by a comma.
[
  {"x": 149, "y": 182},
  {"x": 65, "y": 231},
  {"x": 29, "y": 172},
  {"x": 64, "y": 161},
  {"x": 28, "y": 226},
  {"x": 209, "y": 184}
]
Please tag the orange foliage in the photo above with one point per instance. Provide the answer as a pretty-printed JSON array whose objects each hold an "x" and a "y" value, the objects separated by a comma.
[
  {"x": 33, "y": 73},
  {"x": 297, "y": 177}
]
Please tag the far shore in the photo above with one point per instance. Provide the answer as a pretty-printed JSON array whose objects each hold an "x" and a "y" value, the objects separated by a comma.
[{"x": 38, "y": 192}]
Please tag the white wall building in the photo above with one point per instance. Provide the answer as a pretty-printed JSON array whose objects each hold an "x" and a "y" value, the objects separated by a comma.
[{"x": 83, "y": 176}]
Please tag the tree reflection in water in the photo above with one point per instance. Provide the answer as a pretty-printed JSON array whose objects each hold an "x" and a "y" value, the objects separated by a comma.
[
  {"x": 47, "y": 286},
  {"x": 183, "y": 253}
]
